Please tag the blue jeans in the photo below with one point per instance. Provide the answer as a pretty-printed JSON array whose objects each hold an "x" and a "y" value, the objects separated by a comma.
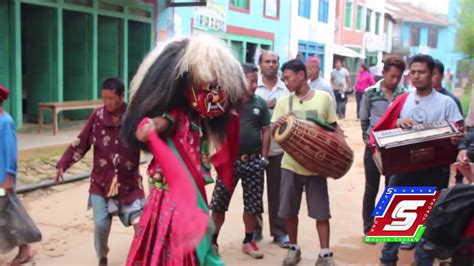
[
  {"x": 390, "y": 255},
  {"x": 103, "y": 222},
  {"x": 429, "y": 177}
]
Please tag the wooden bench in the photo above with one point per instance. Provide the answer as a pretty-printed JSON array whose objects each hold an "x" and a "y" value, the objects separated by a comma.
[{"x": 56, "y": 107}]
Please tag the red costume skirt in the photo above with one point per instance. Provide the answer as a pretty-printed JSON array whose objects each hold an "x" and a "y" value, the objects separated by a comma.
[{"x": 151, "y": 244}]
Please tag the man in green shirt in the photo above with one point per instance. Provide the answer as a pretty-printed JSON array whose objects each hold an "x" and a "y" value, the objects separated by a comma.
[{"x": 249, "y": 166}]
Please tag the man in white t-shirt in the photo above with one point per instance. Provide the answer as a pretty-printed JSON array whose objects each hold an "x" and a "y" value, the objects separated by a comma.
[{"x": 424, "y": 105}]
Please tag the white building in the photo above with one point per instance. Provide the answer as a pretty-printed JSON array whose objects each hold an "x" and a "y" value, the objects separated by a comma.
[
  {"x": 374, "y": 37},
  {"x": 312, "y": 31}
]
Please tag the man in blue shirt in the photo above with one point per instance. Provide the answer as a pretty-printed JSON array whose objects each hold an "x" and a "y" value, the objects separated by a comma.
[{"x": 16, "y": 227}]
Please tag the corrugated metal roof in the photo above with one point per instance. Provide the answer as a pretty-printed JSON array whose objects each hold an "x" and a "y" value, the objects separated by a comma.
[{"x": 404, "y": 11}]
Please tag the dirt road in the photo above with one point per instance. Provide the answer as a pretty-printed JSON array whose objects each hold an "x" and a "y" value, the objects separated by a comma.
[{"x": 67, "y": 226}]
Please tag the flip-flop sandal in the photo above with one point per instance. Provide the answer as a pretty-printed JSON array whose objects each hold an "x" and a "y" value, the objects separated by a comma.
[{"x": 22, "y": 260}]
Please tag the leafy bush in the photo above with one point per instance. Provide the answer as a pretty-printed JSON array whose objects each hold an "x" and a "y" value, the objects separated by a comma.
[{"x": 466, "y": 98}]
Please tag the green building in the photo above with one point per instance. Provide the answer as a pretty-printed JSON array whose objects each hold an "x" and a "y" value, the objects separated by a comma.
[{"x": 61, "y": 50}]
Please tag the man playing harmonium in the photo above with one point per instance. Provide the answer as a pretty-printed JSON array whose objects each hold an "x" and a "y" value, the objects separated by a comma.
[
  {"x": 304, "y": 103},
  {"x": 422, "y": 106}
]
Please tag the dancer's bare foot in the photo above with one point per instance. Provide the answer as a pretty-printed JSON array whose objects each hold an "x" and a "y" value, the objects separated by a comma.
[
  {"x": 25, "y": 254},
  {"x": 136, "y": 228}
]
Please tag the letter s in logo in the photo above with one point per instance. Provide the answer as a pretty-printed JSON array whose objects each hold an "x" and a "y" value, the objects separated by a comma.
[{"x": 409, "y": 217}]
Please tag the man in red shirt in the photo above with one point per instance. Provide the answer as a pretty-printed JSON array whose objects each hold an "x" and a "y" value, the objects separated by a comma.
[{"x": 115, "y": 184}]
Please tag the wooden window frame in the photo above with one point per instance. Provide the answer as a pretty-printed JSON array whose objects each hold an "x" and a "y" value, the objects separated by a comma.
[
  {"x": 190, "y": 3},
  {"x": 351, "y": 19},
  {"x": 430, "y": 41},
  {"x": 377, "y": 23},
  {"x": 309, "y": 10},
  {"x": 368, "y": 22},
  {"x": 362, "y": 18},
  {"x": 416, "y": 41},
  {"x": 238, "y": 9},
  {"x": 306, "y": 51},
  {"x": 325, "y": 17},
  {"x": 265, "y": 10}
]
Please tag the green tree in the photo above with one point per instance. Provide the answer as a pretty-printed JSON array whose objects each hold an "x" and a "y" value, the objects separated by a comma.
[
  {"x": 466, "y": 45},
  {"x": 466, "y": 31}
]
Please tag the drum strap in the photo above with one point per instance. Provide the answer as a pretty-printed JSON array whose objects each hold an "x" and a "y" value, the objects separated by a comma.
[
  {"x": 314, "y": 120},
  {"x": 290, "y": 104}
]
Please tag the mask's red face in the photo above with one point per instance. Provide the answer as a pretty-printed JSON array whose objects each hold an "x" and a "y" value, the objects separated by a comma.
[{"x": 208, "y": 101}]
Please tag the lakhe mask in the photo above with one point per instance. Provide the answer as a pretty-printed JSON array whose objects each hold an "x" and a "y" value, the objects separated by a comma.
[{"x": 208, "y": 101}]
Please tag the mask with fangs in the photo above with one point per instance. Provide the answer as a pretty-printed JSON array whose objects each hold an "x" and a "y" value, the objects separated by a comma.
[{"x": 208, "y": 101}]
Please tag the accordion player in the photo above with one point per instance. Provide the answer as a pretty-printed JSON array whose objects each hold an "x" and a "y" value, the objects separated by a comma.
[{"x": 421, "y": 147}]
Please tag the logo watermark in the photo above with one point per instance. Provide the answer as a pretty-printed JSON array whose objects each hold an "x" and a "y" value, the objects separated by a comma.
[{"x": 401, "y": 213}]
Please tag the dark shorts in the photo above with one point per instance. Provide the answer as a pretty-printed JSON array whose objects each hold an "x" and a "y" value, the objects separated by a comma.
[
  {"x": 291, "y": 190},
  {"x": 251, "y": 174}
]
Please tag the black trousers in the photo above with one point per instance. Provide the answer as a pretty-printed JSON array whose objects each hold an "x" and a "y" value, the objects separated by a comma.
[
  {"x": 277, "y": 224},
  {"x": 372, "y": 182},
  {"x": 358, "y": 99}
]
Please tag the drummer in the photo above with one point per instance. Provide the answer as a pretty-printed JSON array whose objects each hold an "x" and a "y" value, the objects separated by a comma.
[{"x": 305, "y": 103}]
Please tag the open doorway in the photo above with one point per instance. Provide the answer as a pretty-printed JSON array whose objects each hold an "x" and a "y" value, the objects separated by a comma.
[
  {"x": 110, "y": 49},
  {"x": 250, "y": 53},
  {"x": 39, "y": 58},
  {"x": 77, "y": 50},
  {"x": 139, "y": 39}
]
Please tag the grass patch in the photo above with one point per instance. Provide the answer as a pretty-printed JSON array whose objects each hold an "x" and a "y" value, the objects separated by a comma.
[
  {"x": 36, "y": 165},
  {"x": 41, "y": 153}
]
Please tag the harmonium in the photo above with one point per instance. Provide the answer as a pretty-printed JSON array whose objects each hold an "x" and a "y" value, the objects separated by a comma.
[{"x": 421, "y": 147}]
